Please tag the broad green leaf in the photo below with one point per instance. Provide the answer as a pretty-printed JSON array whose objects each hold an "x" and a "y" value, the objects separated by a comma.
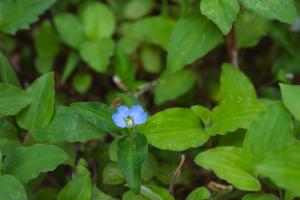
[
  {"x": 97, "y": 114},
  {"x": 112, "y": 174},
  {"x": 259, "y": 196},
  {"x": 43, "y": 64},
  {"x": 222, "y": 12},
  {"x": 203, "y": 113},
  {"x": 282, "y": 167},
  {"x": 129, "y": 195},
  {"x": 70, "y": 29},
  {"x": 67, "y": 125},
  {"x": 234, "y": 83},
  {"x": 79, "y": 188},
  {"x": 271, "y": 130},
  {"x": 39, "y": 113},
  {"x": 70, "y": 66},
  {"x": 234, "y": 113},
  {"x": 135, "y": 9},
  {"x": 175, "y": 129},
  {"x": 8, "y": 137},
  {"x": 99, "y": 195},
  {"x": 7, "y": 74},
  {"x": 290, "y": 97},
  {"x": 11, "y": 188},
  {"x": 151, "y": 59},
  {"x": 16, "y": 15},
  {"x": 12, "y": 99},
  {"x": 124, "y": 69},
  {"x": 289, "y": 195},
  {"x": 169, "y": 88},
  {"x": 149, "y": 167},
  {"x": 153, "y": 192},
  {"x": 200, "y": 193},
  {"x": 231, "y": 164},
  {"x": 192, "y": 37},
  {"x": 1, "y": 158},
  {"x": 132, "y": 153},
  {"x": 250, "y": 37},
  {"x": 82, "y": 82},
  {"x": 97, "y": 53},
  {"x": 27, "y": 163},
  {"x": 156, "y": 30},
  {"x": 282, "y": 10},
  {"x": 98, "y": 21},
  {"x": 112, "y": 150}
]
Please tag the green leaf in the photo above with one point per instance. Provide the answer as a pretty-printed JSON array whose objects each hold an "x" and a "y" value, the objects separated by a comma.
[
  {"x": 175, "y": 129},
  {"x": 79, "y": 188},
  {"x": 260, "y": 197},
  {"x": 11, "y": 188},
  {"x": 156, "y": 30},
  {"x": 1, "y": 158},
  {"x": 67, "y": 125},
  {"x": 231, "y": 164},
  {"x": 272, "y": 129},
  {"x": 234, "y": 83},
  {"x": 135, "y": 9},
  {"x": 97, "y": 114},
  {"x": 98, "y": 21},
  {"x": 151, "y": 59},
  {"x": 99, "y": 195},
  {"x": 149, "y": 167},
  {"x": 129, "y": 195},
  {"x": 203, "y": 113},
  {"x": 169, "y": 88},
  {"x": 97, "y": 53},
  {"x": 8, "y": 137},
  {"x": 282, "y": 10},
  {"x": 132, "y": 153},
  {"x": 282, "y": 167},
  {"x": 16, "y": 15},
  {"x": 40, "y": 111},
  {"x": 193, "y": 37},
  {"x": 112, "y": 174},
  {"x": 153, "y": 192},
  {"x": 124, "y": 69},
  {"x": 70, "y": 29},
  {"x": 200, "y": 193},
  {"x": 72, "y": 61},
  {"x": 82, "y": 82},
  {"x": 27, "y": 163},
  {"x": 250, "y": 37},
  {"x": 290, "y": 97},
  {"x": 12, "y": 99},
  {"x": 234, "y": 113},
  {"x": 7, "y": 74},
  {"x": 222, "y": 12}
]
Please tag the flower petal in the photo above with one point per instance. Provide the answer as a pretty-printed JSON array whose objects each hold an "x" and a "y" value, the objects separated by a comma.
[
  {"x": 138, "y": 114},
  {"x": 120, "y": 115}
]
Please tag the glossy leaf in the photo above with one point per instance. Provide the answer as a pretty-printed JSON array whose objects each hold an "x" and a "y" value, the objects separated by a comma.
[
  {"x": 200, "y": 193},
  {"x": 231, "y": 164},
  {"x": 97, "y": 114},
  {"x": 67, "y": 125},
  {"x": 98, "y": 21},
  {"x": 282, "y": 167},
  {"x": 290, "y": 97},
  {"x": 7, "y": 74},
  {"x": 70, "y": 29},
  {"x": 16, "y": 15},
  {"x": 40, "y": 111},
  {"x": 234, "y": 113},
  {"x": 192, "y": 37},
  {"x": 175, "y": 129},
  {"x": 260, "y": 197},
  {"x": 203, "y": 113},
  {"x": 271, "y": 130},
  {"x": 282, "y": 10},
  {"x": 169, "y": 88},
  {"x": 11, "y": 188},
  {"x": 12, "y": 99},
  {"x": 222, "y": 12},
  {"x": 97, "y": 53},
  {"x": 79, "y": 188},
  {"x": 156, "y": 30},
  {"x": 27, "y": 163},
  {"x": 132, "y": 153},
  {"x": 234, "y": 83}
]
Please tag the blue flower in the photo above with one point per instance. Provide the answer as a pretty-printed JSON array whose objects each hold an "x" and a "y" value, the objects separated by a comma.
[{"x": 125, "y": 117}]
